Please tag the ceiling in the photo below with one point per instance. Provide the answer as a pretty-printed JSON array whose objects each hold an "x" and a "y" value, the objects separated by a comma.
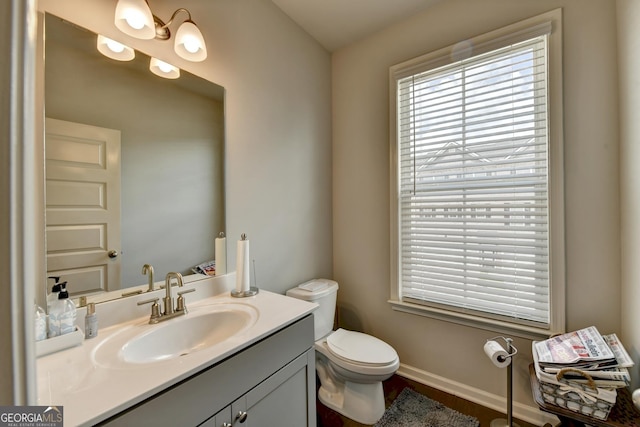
[{"x": 337, "y": 23}]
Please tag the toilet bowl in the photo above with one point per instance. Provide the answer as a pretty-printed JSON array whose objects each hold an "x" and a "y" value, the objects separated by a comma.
[{"x": 350, "y": 365}]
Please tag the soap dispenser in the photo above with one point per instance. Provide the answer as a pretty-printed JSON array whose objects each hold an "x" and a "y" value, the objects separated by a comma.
[
  {"x": 62, "y": 316},
  {"x": 52, "y": 297}
]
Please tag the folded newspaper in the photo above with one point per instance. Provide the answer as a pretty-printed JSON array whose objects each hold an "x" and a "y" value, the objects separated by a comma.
[
  {"x": 605, "y": 392},
  {"x": 585, "y": 347},
  {"x": 603, "y": 357}
]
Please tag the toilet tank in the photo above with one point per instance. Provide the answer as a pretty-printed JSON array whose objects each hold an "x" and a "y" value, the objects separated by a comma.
[{"x": 324, "y": 293}]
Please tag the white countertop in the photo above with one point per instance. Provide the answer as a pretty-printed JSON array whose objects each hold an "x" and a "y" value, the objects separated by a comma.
[{"x": 90, "y": 390}]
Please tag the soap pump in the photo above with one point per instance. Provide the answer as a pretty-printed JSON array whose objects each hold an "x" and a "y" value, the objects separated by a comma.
[
  {"x": 62, "y": 316},
  {"x": 52, "y": 297}
]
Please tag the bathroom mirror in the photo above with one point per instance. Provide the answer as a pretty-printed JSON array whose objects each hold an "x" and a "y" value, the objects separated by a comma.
[{"x": 171, "y": 165}]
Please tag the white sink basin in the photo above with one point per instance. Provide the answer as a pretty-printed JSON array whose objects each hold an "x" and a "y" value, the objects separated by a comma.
[{"x": 197, "y": 330}]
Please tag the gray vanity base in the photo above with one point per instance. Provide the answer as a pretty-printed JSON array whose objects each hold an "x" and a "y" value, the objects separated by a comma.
[{"x": 272, "y": 381}]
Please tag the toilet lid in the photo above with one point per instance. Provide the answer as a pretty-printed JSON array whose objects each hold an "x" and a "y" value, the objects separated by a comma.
[{"x": 360, "y": 347}]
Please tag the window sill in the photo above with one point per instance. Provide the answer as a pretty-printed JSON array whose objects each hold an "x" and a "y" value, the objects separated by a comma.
[{"x": 493, "y": 325}]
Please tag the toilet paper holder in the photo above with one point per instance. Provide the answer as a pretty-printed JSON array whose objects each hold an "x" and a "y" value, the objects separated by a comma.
[{"x": 510, "y": 351}]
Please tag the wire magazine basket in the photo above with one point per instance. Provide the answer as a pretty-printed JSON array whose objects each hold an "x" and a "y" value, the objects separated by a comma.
[{"x": 586, "y": 399}]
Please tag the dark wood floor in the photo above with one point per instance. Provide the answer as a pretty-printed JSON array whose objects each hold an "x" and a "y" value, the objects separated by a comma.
[{"x": 393, "y": 387}]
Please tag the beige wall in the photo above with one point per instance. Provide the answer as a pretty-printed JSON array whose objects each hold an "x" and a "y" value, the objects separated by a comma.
[
  {"x": 361, "y": 183},
  {"x": 278, "y": 135},
  {"x": 629, "y": 71},
  {"x": 278, "y": 85},
  {"x": 278, "y": 158}
]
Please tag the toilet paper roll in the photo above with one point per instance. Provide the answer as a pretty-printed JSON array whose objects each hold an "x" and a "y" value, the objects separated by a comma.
[
  {"x": 242, "y": 266},
  {"x": 497, "y": 354},
  {"x": 221, "y": 255}
]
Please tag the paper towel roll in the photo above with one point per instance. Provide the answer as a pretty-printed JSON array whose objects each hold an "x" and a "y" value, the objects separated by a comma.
[
  {"x": 497, "y": 354},
  {"x": 242, "y": 265},
  {"x": 221, "y": 255}
]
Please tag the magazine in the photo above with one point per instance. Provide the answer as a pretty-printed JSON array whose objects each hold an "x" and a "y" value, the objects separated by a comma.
[
  {"x": 576, "y": 349},
  {"x": 208, "y": 268}
]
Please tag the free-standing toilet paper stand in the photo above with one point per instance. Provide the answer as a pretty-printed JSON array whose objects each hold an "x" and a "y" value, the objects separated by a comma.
[{"x": 504, "y": 355}]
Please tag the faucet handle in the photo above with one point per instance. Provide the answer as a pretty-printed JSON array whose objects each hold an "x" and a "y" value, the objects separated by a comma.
[
  {"x": 155, "y": 309},
  {"x": 180, "y": 306}
]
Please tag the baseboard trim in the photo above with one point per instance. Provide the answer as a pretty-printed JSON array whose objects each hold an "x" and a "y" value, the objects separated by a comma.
[{"x": 521, "y": 411}]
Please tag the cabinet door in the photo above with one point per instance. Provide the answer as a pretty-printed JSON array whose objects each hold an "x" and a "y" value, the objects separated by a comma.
[{"x": 281, "y": 400}]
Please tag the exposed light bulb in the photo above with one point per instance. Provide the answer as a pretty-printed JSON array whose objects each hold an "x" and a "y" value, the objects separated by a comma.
[
  {"x": 114, "y": 46},
  {"x": 114, "y": 50},
  {"x": 135, "y": 19},
  {"x": 191, "y": 44},
  {"x": 164, "y": 67}
]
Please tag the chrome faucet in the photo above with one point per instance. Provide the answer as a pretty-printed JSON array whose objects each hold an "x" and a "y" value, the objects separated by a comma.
[
  {"x": 147, "y": 268},
  {"x": 168, "y": 299},
  {"x": 169, "y": 312}
]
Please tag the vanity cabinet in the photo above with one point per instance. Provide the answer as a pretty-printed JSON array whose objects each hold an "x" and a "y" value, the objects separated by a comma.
[
  {"x": 271, "y": 383},
  {"x": 277, "y": 401}
]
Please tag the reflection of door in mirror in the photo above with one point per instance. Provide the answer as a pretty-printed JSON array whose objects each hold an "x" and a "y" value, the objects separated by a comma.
[{"x": 83, "y": 205}]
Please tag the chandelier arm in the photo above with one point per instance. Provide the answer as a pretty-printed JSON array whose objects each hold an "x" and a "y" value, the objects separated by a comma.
[{"x": 182, "y": 9}]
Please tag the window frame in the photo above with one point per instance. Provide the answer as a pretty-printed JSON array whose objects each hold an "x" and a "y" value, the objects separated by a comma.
[{"x": 484, "y": 43}]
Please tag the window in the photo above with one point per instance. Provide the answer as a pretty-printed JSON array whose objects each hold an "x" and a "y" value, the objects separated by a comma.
[{"x": 473, "y": 182}]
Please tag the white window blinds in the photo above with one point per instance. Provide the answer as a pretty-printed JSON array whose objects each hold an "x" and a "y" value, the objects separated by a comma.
[{"x": 473, "y": 184}]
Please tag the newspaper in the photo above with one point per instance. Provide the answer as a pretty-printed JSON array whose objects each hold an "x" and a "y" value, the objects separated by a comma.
[
  {"x": 604, "y": 379},
  {"x": 622, "y": 357},
  {"x": 576, "y": 349},
  {"x": 602, "y": 357},
  {"x": 605, "y": 387}
]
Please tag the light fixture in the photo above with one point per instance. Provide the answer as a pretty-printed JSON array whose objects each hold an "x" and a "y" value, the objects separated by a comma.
[
  {"x": 114, "y": 50},
  {"x": 162, "y": 69},
  {"x": 134, "y": 17}
]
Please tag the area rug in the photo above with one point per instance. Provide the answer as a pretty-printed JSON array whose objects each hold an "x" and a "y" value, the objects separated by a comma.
[{"x": 411, "y": 409}]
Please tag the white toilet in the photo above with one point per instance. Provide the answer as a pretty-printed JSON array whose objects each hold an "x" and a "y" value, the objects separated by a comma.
[{"x": 351, "y": 365}]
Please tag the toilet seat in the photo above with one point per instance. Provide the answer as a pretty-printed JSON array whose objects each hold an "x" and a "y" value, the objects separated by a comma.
[
  {"x": 360, "y": 348},
  {"x": 359, "y": 353}
]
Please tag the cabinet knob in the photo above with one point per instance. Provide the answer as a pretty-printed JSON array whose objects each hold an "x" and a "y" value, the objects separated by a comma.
[
  {"x": 225, "y": 424},
  {"x": 242, "y": 416}
]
